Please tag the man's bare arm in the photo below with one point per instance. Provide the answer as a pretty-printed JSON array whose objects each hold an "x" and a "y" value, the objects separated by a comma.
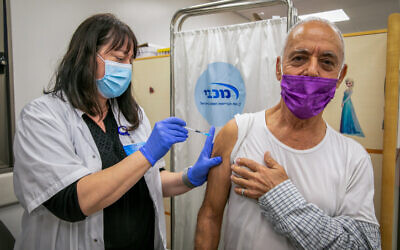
[{"x": 211, "y": 212}]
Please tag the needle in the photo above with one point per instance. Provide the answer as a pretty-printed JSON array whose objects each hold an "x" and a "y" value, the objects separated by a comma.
[{"x": 198, "y": 131}]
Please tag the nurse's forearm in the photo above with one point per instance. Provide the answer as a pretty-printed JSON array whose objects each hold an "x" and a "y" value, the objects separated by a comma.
[
  {"x": 172, "y": 184},
  {"x": 101, "y": 189}
]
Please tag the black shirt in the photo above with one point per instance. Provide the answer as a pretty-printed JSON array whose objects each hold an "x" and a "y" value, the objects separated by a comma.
[{"x": 129, "y": 222}]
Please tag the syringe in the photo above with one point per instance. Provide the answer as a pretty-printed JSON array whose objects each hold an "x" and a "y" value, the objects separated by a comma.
[{"x": 198, "y": 131}]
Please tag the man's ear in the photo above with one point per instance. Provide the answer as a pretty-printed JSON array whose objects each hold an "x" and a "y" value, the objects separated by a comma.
[
  {"x": 278, "y": 71},
  {"x": 342, "y": 75}
]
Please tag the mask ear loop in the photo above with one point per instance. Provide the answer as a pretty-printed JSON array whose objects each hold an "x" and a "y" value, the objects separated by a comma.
[
  {"x": 100, "y": 57},
  {"x": 104, "y": 65},
  {"x": 340, "y": 71}
]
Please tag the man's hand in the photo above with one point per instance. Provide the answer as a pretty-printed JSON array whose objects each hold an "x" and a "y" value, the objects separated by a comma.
[{"x": 259, "y": 179}]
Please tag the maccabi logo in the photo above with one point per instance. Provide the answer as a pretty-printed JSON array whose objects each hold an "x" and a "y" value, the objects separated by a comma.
[{"x": 222, "y": 93}]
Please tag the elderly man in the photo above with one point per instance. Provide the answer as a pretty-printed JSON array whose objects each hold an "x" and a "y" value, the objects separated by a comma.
[{"x": 316, "y": 188}]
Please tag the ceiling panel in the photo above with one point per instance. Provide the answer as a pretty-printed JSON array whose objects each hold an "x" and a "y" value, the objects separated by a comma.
[{"x": 364, "y": 15}]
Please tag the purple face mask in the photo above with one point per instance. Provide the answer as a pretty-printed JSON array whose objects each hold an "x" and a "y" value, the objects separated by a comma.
[{"x": 307, "y": 96}]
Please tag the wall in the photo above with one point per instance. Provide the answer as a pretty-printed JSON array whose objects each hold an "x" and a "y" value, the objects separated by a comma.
[
  {"x": 367, "y": 98},
  {"x": 11, "y": 216},
  {"x": 154, "y": 73},
  {"x": 10, "y": 211},
  {"x": 40, "y": 33}
]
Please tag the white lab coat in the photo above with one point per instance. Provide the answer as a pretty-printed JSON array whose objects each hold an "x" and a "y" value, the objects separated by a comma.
[{"x": 53, "y": 148}]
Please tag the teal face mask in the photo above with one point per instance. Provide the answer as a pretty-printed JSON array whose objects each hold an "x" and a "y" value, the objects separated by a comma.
[{"x": 116, "y": 79}]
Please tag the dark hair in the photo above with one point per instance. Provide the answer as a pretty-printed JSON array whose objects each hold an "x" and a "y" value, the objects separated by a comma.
[{"x": 76, "y": 75}]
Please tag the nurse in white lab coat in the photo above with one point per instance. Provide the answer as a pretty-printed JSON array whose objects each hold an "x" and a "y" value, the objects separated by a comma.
[{"x": 78, "y": 173}]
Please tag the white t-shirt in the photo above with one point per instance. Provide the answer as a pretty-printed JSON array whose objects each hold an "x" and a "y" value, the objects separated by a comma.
[{"x": 336, "y": 175}]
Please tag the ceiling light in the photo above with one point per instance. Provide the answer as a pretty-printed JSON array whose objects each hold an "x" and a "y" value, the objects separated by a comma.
[{"x": 333, "y": 15}]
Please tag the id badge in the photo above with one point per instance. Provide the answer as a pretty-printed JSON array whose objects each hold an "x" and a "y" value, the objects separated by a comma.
[{"x": 132, "y": 148}]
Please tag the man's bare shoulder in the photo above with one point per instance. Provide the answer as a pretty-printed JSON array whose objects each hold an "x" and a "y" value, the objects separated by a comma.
[
  {"x": 218, "y": 181},
  {"x": 226, "y": 139}
]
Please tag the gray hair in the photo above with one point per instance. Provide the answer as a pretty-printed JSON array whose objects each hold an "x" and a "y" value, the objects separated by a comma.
[{"x": 313, "y": 19}]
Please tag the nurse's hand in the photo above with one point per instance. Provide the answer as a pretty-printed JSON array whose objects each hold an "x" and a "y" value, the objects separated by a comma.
[
  {"x": 197, "y": 174},
  {"x": 165, "y": 133}
]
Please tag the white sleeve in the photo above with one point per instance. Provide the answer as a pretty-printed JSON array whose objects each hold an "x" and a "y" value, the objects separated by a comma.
[
  {"x": 146, "y": 123},
  {"x": 243, "y": 122},
  {"x": 45, "y": 158},
  {"x": 358, "y": 201}
]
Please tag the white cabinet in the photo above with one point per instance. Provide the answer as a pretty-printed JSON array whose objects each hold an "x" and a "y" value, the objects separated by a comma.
[{"x": 151, "y": 89}]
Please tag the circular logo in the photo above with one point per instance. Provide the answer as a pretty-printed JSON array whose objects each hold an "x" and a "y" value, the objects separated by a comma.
[{"x": 220, "y": 93}]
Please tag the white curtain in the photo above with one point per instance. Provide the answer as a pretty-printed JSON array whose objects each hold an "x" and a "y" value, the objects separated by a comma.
[{"x": 219, "y": 72}]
